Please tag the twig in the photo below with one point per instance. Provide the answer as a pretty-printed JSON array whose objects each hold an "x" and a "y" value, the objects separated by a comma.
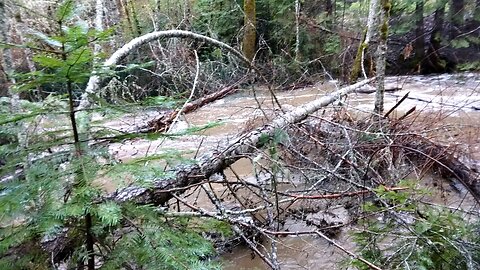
[
  {"x": 197, "y": 72},
  {"x": 341, "y": 195},
  {"x": 351, "y": 254}
]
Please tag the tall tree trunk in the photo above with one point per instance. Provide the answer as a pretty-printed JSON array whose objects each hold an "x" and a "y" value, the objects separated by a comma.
[
  {"x": 126, "y": 12},
  {"x": 136, "y": 22},
  {"x": 329, "y": 7},
  {"x": 419, "y": 33},
  {"x": 381, "y": 55},
  {"x": 99, "y": 7},
  {"x": 297, "y": 30},
  {"x": 457, "y": 13},
  {"x": 358, "y": 63},
  {"x": 249, "y": 38},
  {"x": 7, "y": 64}
]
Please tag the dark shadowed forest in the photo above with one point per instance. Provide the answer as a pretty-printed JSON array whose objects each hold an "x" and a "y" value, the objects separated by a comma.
[{"x": 230, "y": 134}]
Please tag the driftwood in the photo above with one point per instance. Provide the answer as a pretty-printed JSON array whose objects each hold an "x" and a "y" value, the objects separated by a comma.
[
  {"x": 370, "y": 89},
  {"x": 162, "y": 123},
  {"x": 218, "y": 160},
  {"x": 444, "y": 161}
]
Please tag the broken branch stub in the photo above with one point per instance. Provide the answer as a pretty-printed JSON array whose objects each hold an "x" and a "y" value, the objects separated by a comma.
[{"x": 219, "y": 159}]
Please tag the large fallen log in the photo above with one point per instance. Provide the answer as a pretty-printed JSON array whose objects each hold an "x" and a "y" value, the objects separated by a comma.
[
  {"x": 163, "y": 122},
  {"x": 219, "y": 159}
]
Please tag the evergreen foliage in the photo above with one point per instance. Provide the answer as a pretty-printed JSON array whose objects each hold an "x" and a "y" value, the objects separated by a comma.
[
  {"x": 49, "y": 185},
  {"x": 403, "y": 233}
]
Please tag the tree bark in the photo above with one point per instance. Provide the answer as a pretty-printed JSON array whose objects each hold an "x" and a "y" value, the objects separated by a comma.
[
  {"x": 136, "y": 22},
  {"x": 6, "y": 52},
  {"x": 476, "y": 14},
  {"x": 249, "y": 37},
  {"x": 297, "y": 30},
  {"x": 381, "y": 56},
  {"x": 127, "y": 15},
  {"x": 99, "y": 7}
]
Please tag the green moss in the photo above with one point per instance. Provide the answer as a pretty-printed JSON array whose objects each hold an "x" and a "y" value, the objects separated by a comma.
[
  {"x": 358, "y": 59},
  {"x": 249, "y": 38}
]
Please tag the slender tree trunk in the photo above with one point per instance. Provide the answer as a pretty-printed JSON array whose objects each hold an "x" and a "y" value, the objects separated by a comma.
[
  {"x": 127, "y": 15},
  {"x": 99, "y": 7},
  {"x": 297, "y": 30},
  {"x": 358, "y": 63},
  {"x": 136, "y": 22},
  {"x": 329, "y": 10},
  {"x": 249, "y": 38},
  {"x": 381, "y": 55},
  {"x": 6, "y": 52},
  {"x": 8, "y": 66},
  {"x": 419, "y": 33}
]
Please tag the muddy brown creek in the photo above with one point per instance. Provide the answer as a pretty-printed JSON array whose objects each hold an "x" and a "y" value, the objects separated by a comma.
[{"x": 453, "y": 99}]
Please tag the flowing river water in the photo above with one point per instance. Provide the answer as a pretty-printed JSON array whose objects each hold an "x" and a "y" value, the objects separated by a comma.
[{"x": 453, "y": 99}]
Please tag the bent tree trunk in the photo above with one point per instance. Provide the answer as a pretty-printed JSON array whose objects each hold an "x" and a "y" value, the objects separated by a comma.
[
  {"x": 94, "y": 81},
  {"x": 93, "y": 84},
  {"x": 218, "y": 160}
]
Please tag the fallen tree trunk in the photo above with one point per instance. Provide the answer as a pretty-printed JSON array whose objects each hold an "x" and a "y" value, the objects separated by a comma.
[
  {"x": 162, "y": 123},
  {"x": 207, "y": 165},
  {"x": 370, "y": 90},
  {"x": 219, "y": 159}
]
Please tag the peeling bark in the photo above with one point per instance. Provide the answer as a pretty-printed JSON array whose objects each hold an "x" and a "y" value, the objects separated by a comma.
[{"x": 381, "y": 56}]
